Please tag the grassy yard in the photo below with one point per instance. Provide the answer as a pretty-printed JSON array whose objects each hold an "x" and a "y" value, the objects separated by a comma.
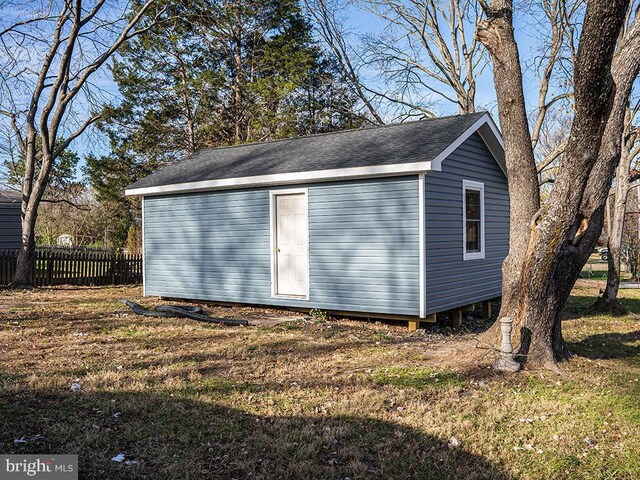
[
  {"x": 308, "y": 399},
  {"x": 596, "y": 269}
]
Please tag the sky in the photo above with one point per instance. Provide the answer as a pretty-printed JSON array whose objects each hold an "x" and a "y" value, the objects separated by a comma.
[
  {"x": 528, "y": 35},
  {"x": 360, "y": 22}
]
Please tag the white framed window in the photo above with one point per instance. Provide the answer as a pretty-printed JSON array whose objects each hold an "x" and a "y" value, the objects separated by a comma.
[{"x": 472, "y": 220}]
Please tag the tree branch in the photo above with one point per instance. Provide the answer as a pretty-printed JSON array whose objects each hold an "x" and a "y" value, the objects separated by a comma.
[
  {"x": 68, "y": 202},
  {"x": 333, "y": 36},
  {"x": 551, "y": 157},
  {"x": 76, "y": 134}
]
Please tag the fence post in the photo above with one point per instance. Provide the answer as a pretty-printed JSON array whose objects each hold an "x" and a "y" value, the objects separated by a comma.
[
  {"x": 33, "y": 268},
  {"x": 3, "y": 262},
  {"x": 49, "y": 267},
  {"x": 113, "y": 267},
  {"x": 13, "y": 265}
]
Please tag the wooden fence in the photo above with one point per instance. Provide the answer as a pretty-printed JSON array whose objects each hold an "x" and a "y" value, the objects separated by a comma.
[{"x": 75, "y": 267}]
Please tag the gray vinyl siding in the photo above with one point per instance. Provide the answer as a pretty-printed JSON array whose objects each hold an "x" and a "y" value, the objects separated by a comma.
[
  {"x": 451, "y": 281},
  {"x": 363, "y": 246},
  {"x": 10, "y": 228}
]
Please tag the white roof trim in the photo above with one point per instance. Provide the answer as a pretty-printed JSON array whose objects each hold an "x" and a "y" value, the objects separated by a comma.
[
  {"x": 334, "y": 174},
  {"x": 286, "y": 178}
]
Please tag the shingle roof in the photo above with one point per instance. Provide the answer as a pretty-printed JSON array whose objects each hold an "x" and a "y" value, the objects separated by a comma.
[
  {"x": 9, "y": 196},
  {"x": 394, "y": 144}
]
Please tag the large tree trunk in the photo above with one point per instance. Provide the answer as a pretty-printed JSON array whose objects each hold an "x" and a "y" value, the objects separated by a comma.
[
  {"x": 24, "y": 266},
  {"x": 537, "y": 283},
  {"x": 497, "y": 35},
  {"x": 572, "y": 220},
  {"x": 608, "y": 302},
  {"x": 22, "y": 276},
  {"x": 32, "y": 193}
]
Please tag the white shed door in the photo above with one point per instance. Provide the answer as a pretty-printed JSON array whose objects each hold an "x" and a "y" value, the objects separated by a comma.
[{"x": 291, "y": 239}]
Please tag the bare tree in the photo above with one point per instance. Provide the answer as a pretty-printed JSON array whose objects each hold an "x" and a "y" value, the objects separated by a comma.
[
  {"x": 428, "y": 48},
  {"x": 330, "y": 26},
  {"x": 549, "y": 244},
  {"x": 630, "y": 149},
  {"x": 555, "y": 62},
  {"x": 560, "y": 17},
  {"x": 50, "y": 56},
  {"x": 550, "y": 146}
]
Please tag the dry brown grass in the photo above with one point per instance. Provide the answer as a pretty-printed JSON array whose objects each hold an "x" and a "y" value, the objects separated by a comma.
[{"x": 307, "y": 399}]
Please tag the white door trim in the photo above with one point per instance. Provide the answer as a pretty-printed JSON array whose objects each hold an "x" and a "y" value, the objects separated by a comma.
[
  {"x": 422, "y": 244},
  {"x": 144, "y": 283},
  {"x": 272, "y": 239}
]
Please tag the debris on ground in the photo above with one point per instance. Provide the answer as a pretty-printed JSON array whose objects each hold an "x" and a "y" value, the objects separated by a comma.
[
  {"x": 266, "y": 320},
  {"x": 75, "y": 386},
  {"x": 25, "y": 440},
  {"x": 119, "y": 458},
  {"x": 194, "y": 313}
]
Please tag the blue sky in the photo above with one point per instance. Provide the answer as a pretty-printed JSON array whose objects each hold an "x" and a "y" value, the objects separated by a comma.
[{"x": 528, "y": 34}]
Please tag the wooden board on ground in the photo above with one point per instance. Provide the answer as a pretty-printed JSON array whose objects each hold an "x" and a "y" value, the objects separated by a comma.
[{"x": 268, "y": 320}]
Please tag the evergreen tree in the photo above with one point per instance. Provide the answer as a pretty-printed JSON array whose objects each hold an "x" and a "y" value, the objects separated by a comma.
[
  {"x": 63, "y": 171},
  {"x": 224, "y": 72},
  {"x": 109, "y": 175},
  {"x": 219, "y": 72}
]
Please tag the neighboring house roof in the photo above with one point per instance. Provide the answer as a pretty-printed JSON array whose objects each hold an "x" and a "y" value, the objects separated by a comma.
[
  {"x": 9, "y": 196},
  {"x": 412, "y": 147}
]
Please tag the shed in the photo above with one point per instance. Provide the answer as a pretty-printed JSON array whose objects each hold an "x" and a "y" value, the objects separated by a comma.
[
  {"x": 10, "y": 220},
  {"x": 400, "y": 221}
]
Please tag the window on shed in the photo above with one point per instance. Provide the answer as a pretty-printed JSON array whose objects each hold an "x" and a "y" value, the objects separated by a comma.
[{"x": 473, "y": 209}]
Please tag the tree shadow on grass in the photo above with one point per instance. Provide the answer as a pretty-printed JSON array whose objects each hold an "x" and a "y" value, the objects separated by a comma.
[
  {"x": 172, "y": 437},
  {"x": 581, "y": 305},
  {"x": 608, "y": 346}
]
